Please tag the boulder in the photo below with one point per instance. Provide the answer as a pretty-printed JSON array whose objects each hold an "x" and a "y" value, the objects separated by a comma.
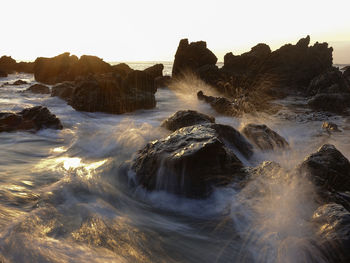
[
  {"x": 330, "y": 127},
  {"x": 155, "y": 71},
  {"x": 112, "y": 94},
  {"x": 19, "y": 82},
  {"x": 35, "y": 118},
  {"x": 63, "y": 90},
  {"x": 263, "y": 137},
  {"x": 220, "y": 104},
  {"x": 191, "y": 161},
  {"x": 328, "y": 169},
  {"x": 332, "y": 102},
  {"x": 39, "y": 89},
  {"x": 333, "y": 227},
  {"x": 192, "y": 56},
  {"x": 186, "y": 118}
]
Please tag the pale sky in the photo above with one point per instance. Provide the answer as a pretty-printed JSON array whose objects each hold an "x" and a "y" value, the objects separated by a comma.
[{"x": 150, "y": 30}]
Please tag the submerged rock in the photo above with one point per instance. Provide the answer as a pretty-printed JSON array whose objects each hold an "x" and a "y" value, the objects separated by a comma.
[
  {"x": 263, "y": 137},
  {"x": 192, "y": 160},
  {"x": 330, "y": 127},
  {"x": 192, "y": 56},
  {"x": 328, "y": 168},
  {"x": 39, "y": 89},
  {"x": 336, "y": 102},
  {"x": 19, "y": 82},
  {"x": 186, "y": 118},
  {"x": 35, "y": 118}
]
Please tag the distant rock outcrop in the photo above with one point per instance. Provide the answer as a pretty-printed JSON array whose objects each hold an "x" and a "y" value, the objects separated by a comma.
[
  {"x": 192, "y": 56},
  {"x": 9, "y": 65},
  {"x": 35, "y": 118}
]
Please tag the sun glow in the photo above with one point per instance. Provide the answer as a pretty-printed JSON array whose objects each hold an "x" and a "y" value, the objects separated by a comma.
[{"x": 150, "y": 30}]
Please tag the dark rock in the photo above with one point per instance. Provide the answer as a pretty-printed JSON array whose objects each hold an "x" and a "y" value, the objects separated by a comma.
[
  {"x": 67, "y": 68},
  {"x": 39, "y": 89},
  {"x": 330, "y": 127},
  {"x": 337, "y": 102},
  {"x": 162, "y": 82},
  {"x": 25, "y": 67},
  {"x": 3, "y": 74},
  {"x": 333, "y": 227},
  {"x": 324, "y": 82},
  {"x": 63, "y": 90},
  {"x": 186, "y": 118},
  {"x": 155, "y": 71},
  {"x": 19, "y": 82},
  {"x": 209, "y": 73},
  {"x": 190, "y": 57},
  {"x": 35, "y": 118},
  {"x": 122, "y": 69},
  {"x": 7, "y": 64},
  {"x": 191, "y": 161},
  {"x": 263, "y": 137},
  {"x": 109, "y": 93},
  {"x": 220, "y": 104},
  {"x": 328, "y": 169}
]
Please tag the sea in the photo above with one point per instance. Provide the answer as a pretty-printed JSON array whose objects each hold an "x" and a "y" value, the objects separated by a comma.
[{"x": 65, "y": 194}]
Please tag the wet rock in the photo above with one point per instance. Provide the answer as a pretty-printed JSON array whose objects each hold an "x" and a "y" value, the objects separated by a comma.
[
  {"x": 35, "y": 118},
  {"x": 110, "y": 93},
  {"x": 191, "y": 161},
  {"x": 330, "y": 127},
  {"x": 263, "y": 137},
  {"x": 192, "y": 56},
  {"x": 19, "y": 82},
  {"x": 336, "y": 102},
  {"x": 327, "y": 82},
  {"x": 122, "y": 69},
  {"x": 155, "y": 71},
  {"x": 220, "y": 104},
  {"x": 65, "y": 67},
  {"x": 63, "y": 90},
  {"x": 333, "y": 222},
  {"x": 3, "y": 74},
  {"x": 328, "y": 169},
  {"x": 39, "y": 89},
  {"x": 209, "y": 73},
  {"x": 186, "y": 118}
]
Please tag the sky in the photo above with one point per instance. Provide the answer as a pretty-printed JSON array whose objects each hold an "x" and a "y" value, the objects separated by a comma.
[{"x": 150, "y": 30}]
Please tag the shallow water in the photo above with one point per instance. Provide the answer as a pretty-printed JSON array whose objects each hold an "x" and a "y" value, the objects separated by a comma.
[{"x": 65, "y": 195}]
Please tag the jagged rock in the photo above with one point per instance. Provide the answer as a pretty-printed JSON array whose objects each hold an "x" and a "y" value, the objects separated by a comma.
[
  {"x": 155, "y": 71},
  {"x": 39, "y": 89},
  {"x": 330, "y": 127},
  {"x": 333, "y": 224},
  {"x": 192, "y": 160},
  {"x": 220, "y": 104},
  {"x": 210, "y": 74},
  {"x": 263, "y": 137},
  {"x": 63, "y": 90},
  {"x": 186, "y": 118},
  {"x": 122, "y": 69},
  {"x": 190, "y": 57},
  {"x": 3, "y": 74},
  {"x": 109, "y": 93},
  {"x": 332, "y": 102},
  {"x": 35, "y": 118},
  {"x": 328, "y": 82},
  {"x": 328, "y": 168},
  {"x": 67, "y": 68}
]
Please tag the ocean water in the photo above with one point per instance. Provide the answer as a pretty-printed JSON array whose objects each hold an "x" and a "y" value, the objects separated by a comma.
[{"x": 65, "y": 195}]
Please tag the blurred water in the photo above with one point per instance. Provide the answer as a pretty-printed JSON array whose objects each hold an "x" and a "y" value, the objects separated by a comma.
[{"x": 64, "y": 195}]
